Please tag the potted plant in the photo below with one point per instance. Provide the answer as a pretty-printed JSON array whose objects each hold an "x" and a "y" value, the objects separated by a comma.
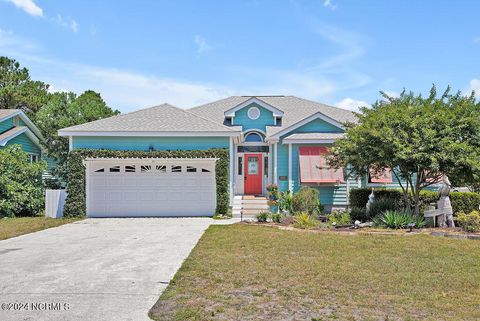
[{"x": 272, "y": 192}]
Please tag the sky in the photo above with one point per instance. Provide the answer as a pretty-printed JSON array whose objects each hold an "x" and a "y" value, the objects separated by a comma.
[{"x": 143, "y": 53}]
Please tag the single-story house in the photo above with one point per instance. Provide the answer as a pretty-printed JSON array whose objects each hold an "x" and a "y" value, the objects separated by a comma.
[
  {"x": 279, "y": 140},
  {"x": 17, "y": 128}
]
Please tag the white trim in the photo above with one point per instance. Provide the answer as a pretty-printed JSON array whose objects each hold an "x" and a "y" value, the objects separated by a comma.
[
  {"x": 27, "y": 121},
  {"x": 276, "y": 112},
  {"x": 147, "y": 133},
  {"x": 253, "y": 144},
  {"x": 248, "y": 131},
  {"x": 231, "y": 147},
  {"x": 145, "y": 159},
  {"x": 251, "y": 110},
  {"x": 27, "y": 132},
  {"x": 270, "y": 164},
  {"x": 87, "y": 186},
  {"x": 308, "y": 141},
  {"x": 290, "y": 179},
  {"x": 317, "y": 115},
  {"x": 70, "y": 143},
  {"x": 275, "y": 163}
]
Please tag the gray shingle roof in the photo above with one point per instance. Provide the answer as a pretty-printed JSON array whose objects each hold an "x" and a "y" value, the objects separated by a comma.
[
  {"x": 11, "y": 132},
  {"x": 7, "y": 112},
  {"x": 295, "y": 109},
  {"x": 162, "y": 118},
  {"x": 308, "y": 136}
]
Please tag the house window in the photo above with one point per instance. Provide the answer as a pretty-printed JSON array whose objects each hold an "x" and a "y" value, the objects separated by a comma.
[
  {"x": 176, "y": 169},
  {"x": 253, "y": 113},
  {"x": 314, "y": 167},
  {"x": 265, "y": 165},
  {"x": 382, "y": 177},
  {"x": 115, "y": 169},
  {"x": 130, "y": 169},
  {"x": 33, "y": 158},
  {"x": 191, "y": 169},
  {"x": 253, "y": 137},
  {"x": 145, "y": 168},
  {"x": 240, "y": 165},
  {"x": 161, "y": 168}
]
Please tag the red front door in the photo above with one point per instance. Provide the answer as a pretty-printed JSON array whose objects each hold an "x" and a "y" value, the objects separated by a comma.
[{"x": 253, "y": 174}]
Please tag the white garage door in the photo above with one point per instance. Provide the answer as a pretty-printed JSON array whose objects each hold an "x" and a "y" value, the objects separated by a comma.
[{"x": 150, "y": 187}]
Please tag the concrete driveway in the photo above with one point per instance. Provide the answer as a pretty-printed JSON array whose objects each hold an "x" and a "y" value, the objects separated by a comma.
[{"x": 96, "y": 269}]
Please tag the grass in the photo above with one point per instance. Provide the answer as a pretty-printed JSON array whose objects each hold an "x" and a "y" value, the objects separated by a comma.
[
  {"x": 11, "y": 227},
  {"x": 242, "y": 272}
]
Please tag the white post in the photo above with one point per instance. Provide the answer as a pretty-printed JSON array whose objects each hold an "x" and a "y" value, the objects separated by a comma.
[
  {"x": 275, "y": 162},
  {"x": 232, "y": 160},
  {"x": 70, "y": 143},
  {"x": 270, "y": 164},
  {"x": 87, "y": 187},
  {"x": 290, "y": 179}
]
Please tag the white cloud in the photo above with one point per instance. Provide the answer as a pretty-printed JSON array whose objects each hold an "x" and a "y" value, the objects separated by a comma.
[
  {"x": 352, "y": 104},
  {"x": 392, "y": 93},
  {"x": 66, "y": 22},
  {"x": 202, "y": 45},
  {"x": 474, "y": 86},
  {"x": 329, "y": 4},
  {"x": 28, "y": 6}
]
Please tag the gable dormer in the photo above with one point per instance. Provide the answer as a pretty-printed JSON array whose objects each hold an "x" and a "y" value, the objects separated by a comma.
[{"x": 254, "y": 113}]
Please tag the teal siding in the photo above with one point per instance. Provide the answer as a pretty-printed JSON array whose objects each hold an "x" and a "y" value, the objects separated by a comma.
[
  {"x": 241, "y": 118},
  {"x": 335, "y": 195},
  {"x": 317, "y": 126},
  {"x": 144, "y": 143},
  {"x": 26, "y": 143},
  {"x": 6, "y": 125}
]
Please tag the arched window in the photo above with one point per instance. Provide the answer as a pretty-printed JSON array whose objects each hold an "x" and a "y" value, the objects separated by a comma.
[{"x": 253, "y": 137}]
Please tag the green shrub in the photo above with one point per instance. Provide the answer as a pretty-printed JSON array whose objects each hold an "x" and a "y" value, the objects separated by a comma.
[
  {"x": 461, "y": 201},
  {"x": 469, "y": 222},
  {"x": 21, "y": 188},
  {"x": 307, "y": 200},
  {"x": 398, "y": 219},
  {"x": 304, "y": 220},
  {"x": 276, "y": 218},
  {"x": 359, "y": 214},
  {"x": 339, "y": 217},
  {"x": 381, "y": 205},
  {"x": 262, "y": 217},
  {"x": 359, "y": 196},
  {"x": 285, "y": 202},
  {"x": 465, "y": 202},
  {"x": 75, "y": 202}
]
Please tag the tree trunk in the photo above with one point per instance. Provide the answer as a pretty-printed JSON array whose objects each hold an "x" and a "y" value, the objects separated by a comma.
[{"x": 417, "y": 202}]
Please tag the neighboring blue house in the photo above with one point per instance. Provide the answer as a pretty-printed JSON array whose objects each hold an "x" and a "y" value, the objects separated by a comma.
[
  {"x": 17, "y": 128},
  {"x": 271, "y": 139}
]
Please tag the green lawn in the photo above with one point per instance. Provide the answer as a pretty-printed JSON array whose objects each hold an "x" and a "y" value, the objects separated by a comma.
[
  {"x": 242, "y": 272},
  {"x": 10, "y": 227}
]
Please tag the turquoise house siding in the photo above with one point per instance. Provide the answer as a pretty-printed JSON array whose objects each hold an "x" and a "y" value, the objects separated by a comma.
[
  {"x": 317, "y": 126},
  {"x": 329, "y": 194},
  {"x": 6, "y": 125},
  {"x": 26, "y": 143},
  {"x": 241, "y": 118},
  {"x": 144, "y": 143}
]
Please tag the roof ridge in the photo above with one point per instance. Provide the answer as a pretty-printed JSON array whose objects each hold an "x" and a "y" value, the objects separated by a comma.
[
  {"x": 209, "y": 120},
  {"x": 319, "y": 103}
]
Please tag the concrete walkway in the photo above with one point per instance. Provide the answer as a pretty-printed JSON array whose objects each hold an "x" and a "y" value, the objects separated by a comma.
[{"x": 96, "y": 269}]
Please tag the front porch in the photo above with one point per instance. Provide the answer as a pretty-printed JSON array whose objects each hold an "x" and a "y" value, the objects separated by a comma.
[{"x": 248, "y": 206}]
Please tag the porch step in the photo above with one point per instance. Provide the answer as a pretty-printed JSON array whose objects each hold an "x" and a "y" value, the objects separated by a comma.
[{"x": 248, "y": 206}]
